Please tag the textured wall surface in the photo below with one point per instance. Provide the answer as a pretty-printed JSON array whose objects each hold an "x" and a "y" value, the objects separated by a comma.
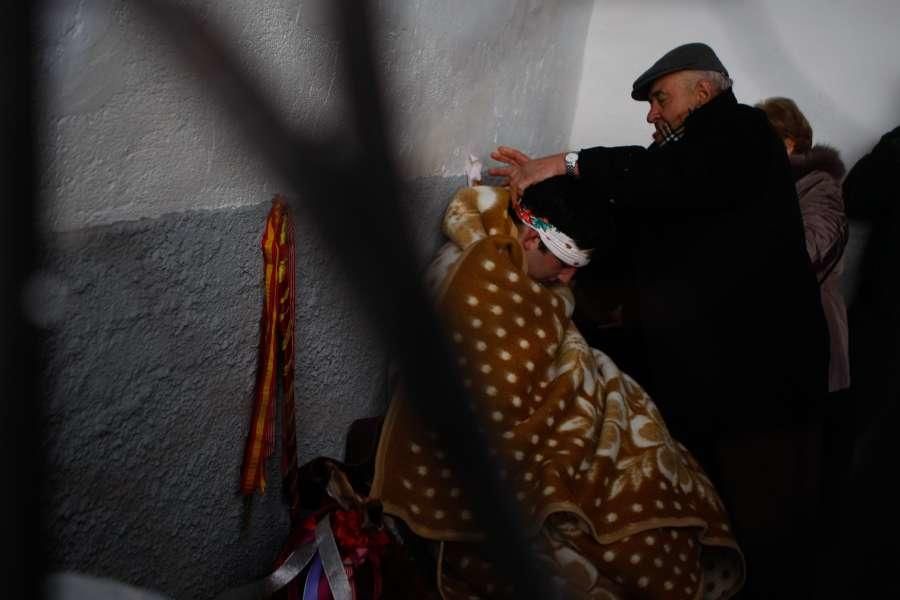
[
  {"x": 129, "y": 134},
  {"x": 151, "y": 374},
  {"x": 155, "y": 208},
  {"x": 152, "y": 350}
]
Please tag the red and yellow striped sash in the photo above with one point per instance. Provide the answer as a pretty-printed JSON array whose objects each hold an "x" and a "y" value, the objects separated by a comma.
[{"x": 276, "y": 349}]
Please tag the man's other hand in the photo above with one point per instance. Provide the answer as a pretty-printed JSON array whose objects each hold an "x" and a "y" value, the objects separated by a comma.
[{"x": 524, "y": 171}]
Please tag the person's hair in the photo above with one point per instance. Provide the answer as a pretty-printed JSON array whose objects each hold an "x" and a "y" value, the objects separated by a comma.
[
  {"x": 788, "y": 122},
  {"x": 565, "y": 202},
  {"x": 718, "y": 81}
]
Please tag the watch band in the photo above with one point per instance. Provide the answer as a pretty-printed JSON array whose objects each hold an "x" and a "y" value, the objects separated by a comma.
[{"x": 571, "y": 159}]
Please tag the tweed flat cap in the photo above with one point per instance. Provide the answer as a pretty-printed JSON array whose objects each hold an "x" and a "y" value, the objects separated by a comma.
[{"x": 693, "y": 57}]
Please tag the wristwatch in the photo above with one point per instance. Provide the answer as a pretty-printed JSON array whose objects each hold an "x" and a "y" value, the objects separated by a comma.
[{"x": 571, "y": 163}]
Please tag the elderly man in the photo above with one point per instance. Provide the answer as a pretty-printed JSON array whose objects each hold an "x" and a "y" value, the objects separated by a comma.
[
  {"x": 610, "y": 500},
  {"x": 727, "y": 305}
]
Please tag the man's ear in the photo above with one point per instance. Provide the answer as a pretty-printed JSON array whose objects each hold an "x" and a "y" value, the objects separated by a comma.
[
  {"x": 530, "y": 239},
  {"x": 703, "y": 91}
]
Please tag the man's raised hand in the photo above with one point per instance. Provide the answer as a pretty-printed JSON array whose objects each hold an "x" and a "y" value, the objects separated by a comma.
[{"x": 523, "y": 171}]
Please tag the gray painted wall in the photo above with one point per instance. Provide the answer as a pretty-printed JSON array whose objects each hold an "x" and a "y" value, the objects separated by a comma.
[
  {"x": 152, "y": 285},
  {"x": 152, "y": 346}
]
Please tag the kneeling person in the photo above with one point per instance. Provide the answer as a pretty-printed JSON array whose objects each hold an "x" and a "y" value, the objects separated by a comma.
[{"x": 618, "y": 507}]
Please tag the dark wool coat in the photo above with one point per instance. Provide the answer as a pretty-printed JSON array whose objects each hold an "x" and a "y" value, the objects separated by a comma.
[
  {"x": 870, "y": 188},
  {"x": 818, "y": 174},
  {"x": 727, "y": 304}
]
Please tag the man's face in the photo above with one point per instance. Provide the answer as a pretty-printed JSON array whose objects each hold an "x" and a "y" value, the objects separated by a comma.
[
  {"x": 672, "y": 98},
  {"x": 543, "y": 266}
]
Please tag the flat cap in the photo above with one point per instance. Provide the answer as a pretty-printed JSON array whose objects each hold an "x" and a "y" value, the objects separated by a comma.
[{"x": 693, "y": 57}]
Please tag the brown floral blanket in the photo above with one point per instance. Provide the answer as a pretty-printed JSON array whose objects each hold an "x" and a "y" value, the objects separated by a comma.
[{"x": 616, "y": 506}]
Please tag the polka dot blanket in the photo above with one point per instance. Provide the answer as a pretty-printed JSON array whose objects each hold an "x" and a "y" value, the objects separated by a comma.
[{"x": 614, "y": 504}]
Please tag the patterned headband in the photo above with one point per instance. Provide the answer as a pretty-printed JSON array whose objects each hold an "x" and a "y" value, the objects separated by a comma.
[{"x": 562, "y": 246}]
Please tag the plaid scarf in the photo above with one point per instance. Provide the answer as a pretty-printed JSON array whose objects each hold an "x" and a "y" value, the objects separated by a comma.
[{"x": 668, "y": 134}]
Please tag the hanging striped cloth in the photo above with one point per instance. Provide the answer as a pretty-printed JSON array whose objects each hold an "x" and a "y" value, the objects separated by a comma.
[{"x": 276, "y": 350}]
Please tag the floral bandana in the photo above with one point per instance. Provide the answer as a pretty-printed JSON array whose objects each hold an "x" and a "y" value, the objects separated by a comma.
[{"x": 562, "y": 246}]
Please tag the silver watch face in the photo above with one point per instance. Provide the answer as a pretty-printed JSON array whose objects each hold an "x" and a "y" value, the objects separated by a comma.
[{"x": 571, "y": 158}]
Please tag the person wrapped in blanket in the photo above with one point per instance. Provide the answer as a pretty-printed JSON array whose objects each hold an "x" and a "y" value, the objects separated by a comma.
[{"x": 614, "y": 504}]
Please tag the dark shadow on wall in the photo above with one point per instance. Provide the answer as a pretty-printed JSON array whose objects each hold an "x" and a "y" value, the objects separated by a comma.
[
  {"x": 21, "y": 463},
  {"x": 150, "y": 375},
  {"x": 152, "y": 304}
]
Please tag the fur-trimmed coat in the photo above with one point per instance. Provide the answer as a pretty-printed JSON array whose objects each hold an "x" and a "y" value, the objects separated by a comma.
[{"x": 818, "y": 174}]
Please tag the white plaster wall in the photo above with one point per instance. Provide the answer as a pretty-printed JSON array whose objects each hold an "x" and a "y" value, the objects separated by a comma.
[
  {"x": 130, "y": 134},
  {"x": 838, "y": 59},
  {"x": 150, "y": 362}
]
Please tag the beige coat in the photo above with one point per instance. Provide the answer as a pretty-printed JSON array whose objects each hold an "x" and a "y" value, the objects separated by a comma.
[{"x": 818, "y": 176}]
